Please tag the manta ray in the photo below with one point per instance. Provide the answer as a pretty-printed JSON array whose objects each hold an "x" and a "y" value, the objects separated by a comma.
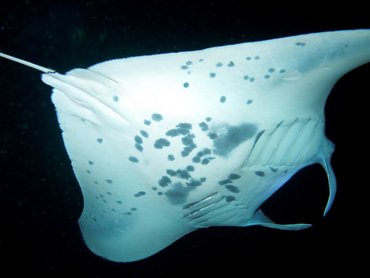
[{"x": 163, "y": 145}]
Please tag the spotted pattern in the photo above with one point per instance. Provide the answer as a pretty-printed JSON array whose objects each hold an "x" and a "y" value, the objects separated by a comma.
[
  {"x": 133, "y": 159},
  {"x": 164, "y": 181},
  {"x": 230, "y": 198},
  {"x": 144, "y": 133},
  {"x": 138, "y": 139},
  {"x": 260, "y": 173},
  {"x": 161, "y": 143},
  {"x": 175, "y": 184},
  {"x": 226, "y": 138},
  {"x": 203, "y": 126},
  {"x": 234, "y": 176},
  {"x": 140, "y": 193},
  {"x": 218, "y": 69},
  {"x": 232, "y": 188},
  {"x": 300, "y": 43},
  {"x": 182, "y": 152},
  {"x": 157, "y": 117}
]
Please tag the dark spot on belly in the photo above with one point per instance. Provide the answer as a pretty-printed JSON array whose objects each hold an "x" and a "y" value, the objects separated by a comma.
[
  {"x": 223, "y": 182},
  {"x": 157, "y": 117},
  {"x": 260, "y": 173},
  {"x": 234, "y": 176},
  {"x": 230, "y": 137},
  {"x": 232, "y": 188},
  {"x": 164, "y": 181},
  {"x": 177, "y": 194},
  {"x": 161, "y": 143},
  {"x": 230, "y": 199}
]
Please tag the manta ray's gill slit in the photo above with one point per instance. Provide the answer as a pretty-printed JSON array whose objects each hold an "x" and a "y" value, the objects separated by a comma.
[
  {"x": 211, "y": 211},
  {"x": 197, "y": 206},
  {"x": 223, "y": 214},
  {"x": 310, "y": 132},
  {"x": 288, "y": 136},
  {"x": 300, "y": 128}
]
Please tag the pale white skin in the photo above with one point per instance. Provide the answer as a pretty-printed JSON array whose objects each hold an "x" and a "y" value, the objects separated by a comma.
[{"x": 162, "y": 145}]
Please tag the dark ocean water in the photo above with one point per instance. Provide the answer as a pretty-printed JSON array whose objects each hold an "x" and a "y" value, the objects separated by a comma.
[{"x": 40, "y": 200}]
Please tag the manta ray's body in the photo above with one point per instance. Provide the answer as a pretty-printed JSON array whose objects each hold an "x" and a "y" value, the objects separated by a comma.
[{"x": 162, "y": 145}]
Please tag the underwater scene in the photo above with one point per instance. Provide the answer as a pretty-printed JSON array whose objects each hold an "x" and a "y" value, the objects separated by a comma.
[{"x": 227, "y": 142}]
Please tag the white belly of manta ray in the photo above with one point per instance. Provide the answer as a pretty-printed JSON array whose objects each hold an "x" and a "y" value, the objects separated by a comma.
[{"x": 165, "y": 144}]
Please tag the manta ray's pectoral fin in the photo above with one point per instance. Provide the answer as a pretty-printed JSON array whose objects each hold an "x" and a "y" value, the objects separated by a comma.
[
  {"x": 325, "y": 157},
  {"x": 259, "y": 218}
]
